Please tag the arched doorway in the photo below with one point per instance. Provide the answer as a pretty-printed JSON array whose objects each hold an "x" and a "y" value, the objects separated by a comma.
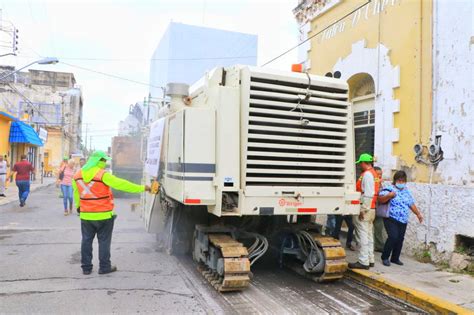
[{"x": 362, "y": 96}]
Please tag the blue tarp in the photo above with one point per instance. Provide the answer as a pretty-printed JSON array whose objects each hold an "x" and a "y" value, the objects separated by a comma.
[{"x": 24, "y": 133}]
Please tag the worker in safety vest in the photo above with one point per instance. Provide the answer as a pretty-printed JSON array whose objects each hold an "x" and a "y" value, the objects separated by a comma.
[
  {"x": 368, "y": 185},
  {"x": 95, "y": 202}
]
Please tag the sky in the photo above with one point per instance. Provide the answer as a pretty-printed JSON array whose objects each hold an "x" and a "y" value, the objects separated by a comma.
[{"x": 119, "y": 37}]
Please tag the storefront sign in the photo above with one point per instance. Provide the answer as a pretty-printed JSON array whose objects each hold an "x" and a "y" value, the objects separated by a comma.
[
  {"x": 373, "y": 8},
  {"x": 43, "y": 134}
]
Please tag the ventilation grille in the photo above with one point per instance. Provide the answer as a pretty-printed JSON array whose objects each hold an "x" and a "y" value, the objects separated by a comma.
[{"x": 281, "y": 151}]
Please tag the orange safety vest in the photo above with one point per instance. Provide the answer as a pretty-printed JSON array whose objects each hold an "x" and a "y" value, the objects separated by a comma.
[
  {"x": 95, "y": 195},
  {"x": 376, "y": 188}
]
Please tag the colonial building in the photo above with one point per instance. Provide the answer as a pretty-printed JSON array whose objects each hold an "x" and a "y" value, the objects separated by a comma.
[
  {"x": 409, "y": 69},
  {"x": 18, "y": 138},
  {"x": 51, "y": 102}
]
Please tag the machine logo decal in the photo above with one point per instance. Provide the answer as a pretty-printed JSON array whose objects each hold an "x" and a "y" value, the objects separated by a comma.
[{"x": 289, "y": 203}]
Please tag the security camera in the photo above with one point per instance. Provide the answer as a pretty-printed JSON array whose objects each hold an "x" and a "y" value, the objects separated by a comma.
[
  {"x": 418, "y": 148},
  {"x": 434, "y": 149}
]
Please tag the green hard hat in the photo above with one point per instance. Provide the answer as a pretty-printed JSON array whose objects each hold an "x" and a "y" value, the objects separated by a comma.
[
  {"x": 365, "y": 157},
  {"x": 95, "y": 157}
]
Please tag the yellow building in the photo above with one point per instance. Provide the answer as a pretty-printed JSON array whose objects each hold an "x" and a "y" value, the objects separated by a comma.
[
  {"x": 5, "y": 121},
  {"x": 56, "y": 147},
  {"x": 409, "y": 67},
  {"x": 18, "y": 138}
]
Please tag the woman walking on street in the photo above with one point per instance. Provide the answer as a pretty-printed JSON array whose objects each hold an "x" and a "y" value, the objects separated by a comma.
[
  {"x": 66, "y": 186},
  {"x": 401, "y": 202}
]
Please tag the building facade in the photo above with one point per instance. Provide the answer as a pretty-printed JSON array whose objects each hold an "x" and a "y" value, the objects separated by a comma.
[
  {"x": 50, "y": 101},
  {"x": 186, "y": 52},
  {"x": 409, "y": 65},
  {"x": 18, "y": 138}
]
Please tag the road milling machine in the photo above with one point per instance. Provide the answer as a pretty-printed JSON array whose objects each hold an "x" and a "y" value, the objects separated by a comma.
[{"x": 242, "y": 162}]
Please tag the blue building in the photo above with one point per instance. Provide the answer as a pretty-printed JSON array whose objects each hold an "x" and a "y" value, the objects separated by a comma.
[{"x": 186, "y": 52}]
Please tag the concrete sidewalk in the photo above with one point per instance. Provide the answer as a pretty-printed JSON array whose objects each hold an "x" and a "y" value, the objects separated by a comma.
[
  {"x": 12, "y": 191},
  {"x": 424, "y": 282}
]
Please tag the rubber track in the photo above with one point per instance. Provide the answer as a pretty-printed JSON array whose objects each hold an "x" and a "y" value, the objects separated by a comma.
[{"x": 236, "y": 265}]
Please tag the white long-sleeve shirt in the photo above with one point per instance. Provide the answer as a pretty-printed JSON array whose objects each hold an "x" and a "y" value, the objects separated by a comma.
[{"x": 368, "y": 191}]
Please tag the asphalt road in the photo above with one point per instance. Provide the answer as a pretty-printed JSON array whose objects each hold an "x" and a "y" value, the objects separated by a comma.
[{"x": 40, "y": 273}]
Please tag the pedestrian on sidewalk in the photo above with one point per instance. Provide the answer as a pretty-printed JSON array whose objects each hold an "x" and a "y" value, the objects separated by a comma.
[
  {"x": 66, "y": 186},
  {"x": 3, "y": 175},
  {"x": 368, "y": 185},
  {"x": 350, "y": 229},
  {"x": 94, "y": 199},
  {"x": 82, "y": 162},
  {"x": 401, "y": 202},
  {"x": 330, "y": 224},
  {"x": 22, "y": 171},
  {"x": 380, "y": 236},
  {"x": 61, "y": 168}
]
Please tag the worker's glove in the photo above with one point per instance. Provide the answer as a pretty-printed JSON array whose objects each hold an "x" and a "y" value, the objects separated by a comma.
[{"x": 78, "y": 209}]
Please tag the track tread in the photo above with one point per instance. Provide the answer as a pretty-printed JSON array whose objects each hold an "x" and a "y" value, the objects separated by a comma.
[
  {"x": 236, "y": 264},
  {"x": 334, "y": 254}
]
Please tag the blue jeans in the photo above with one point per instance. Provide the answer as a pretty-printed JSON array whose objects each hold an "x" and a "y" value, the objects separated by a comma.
[
  {"x": 394, "y": 243},
  {"x": 23, "y": 189},
  {"x": 330, "y": 224},
  {"x": 67, "y": 196},
  {"x": 103, "y": 229}
]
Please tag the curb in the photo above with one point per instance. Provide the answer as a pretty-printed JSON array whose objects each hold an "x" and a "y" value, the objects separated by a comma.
[
  {"x": 40, "y": 187},
  {"x": 422, "y": 300}
]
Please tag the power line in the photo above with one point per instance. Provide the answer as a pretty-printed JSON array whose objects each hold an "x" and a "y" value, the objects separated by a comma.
[
  {"x": 158, "y": 59},
  {"x": 29, "y": 102},
  {"x": 110, "y": 75},
  {"x": 102, "y": 130},
  {"x": 146, "y": 59},
  {"x": 314, "y": 35}
]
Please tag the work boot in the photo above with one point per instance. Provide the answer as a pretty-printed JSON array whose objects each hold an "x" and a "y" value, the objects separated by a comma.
[
  {"x": 86, "y": 272},
  {"x": 386, "y": 262},
  {"x": 358, "y": 265},
  {"x": 397, "y": 262},
  {"x": 371, "y": 265},
  {"x": 112, "y": 269}
]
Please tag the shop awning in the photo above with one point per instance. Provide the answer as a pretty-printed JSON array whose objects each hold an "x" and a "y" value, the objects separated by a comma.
[
  {"x": 7, "y": 116},
  {"x": 24, "y": 133}
]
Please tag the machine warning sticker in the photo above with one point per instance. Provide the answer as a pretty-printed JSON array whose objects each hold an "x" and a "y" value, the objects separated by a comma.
[{"x": 228, "y": 180}]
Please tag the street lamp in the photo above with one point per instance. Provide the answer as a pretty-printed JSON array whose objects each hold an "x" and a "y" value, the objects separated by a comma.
[{"x": 44, "y": 61}]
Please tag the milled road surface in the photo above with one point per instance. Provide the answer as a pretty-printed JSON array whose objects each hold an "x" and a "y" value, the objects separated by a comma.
[{"x": 40, "y": 273}]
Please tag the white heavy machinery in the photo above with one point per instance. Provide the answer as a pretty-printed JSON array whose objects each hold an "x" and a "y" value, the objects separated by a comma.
[{"x": 244, "y": 161}]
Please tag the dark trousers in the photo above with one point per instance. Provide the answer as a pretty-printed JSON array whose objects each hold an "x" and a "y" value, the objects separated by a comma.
[
  {"x": 23, "y": 189},
  {"x": 350, "y": 226},
  {"x": 394, "y": 243},
  {"x": 380, "y": 236},
  {"x": 103, "y": 229}
]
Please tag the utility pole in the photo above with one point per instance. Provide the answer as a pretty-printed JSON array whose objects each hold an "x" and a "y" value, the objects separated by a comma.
[
  {"x": 87, "y": 129},
  {"x": 62, "y": 125},
  {"x": 148, "y": 110},
  {"x": 90, "y": 144}
]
